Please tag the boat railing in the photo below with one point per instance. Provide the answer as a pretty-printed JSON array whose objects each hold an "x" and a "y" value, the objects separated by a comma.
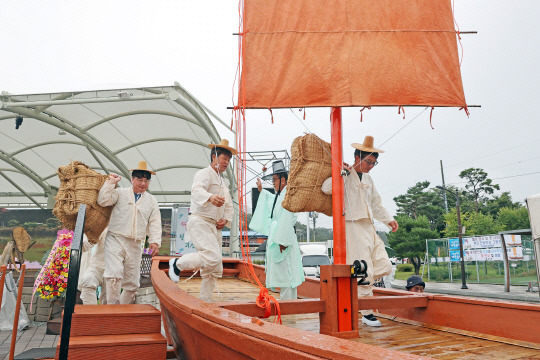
[{"x": 72, "y": 284}]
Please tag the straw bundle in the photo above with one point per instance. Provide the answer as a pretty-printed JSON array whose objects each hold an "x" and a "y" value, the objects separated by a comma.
[
  {"x": 21, "y": 238},
  {"x": 311, "y": 164},
  {"x": 80, "y": 185}
]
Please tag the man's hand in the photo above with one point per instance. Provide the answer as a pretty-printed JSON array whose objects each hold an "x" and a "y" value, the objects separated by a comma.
[
  {"x": 217, "y": 200},
  {"x": 394, "y": 225},
  {"x": 281, "y": 248},
  {"x": 220, "y": 224},
  {"x": 154, "y": 249},
  {"x": 113, "y": 178},
  {"x": 259, "y": 184}
]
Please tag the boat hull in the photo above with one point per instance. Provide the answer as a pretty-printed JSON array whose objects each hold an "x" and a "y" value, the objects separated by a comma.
[{"x": 200, "y": 330}]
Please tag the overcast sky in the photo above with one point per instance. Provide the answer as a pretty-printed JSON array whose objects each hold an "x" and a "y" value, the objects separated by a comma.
[{"x": 58, "y": 46}]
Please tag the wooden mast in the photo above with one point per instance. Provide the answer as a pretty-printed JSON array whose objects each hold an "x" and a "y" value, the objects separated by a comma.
[{"x": 338, "y": 289}]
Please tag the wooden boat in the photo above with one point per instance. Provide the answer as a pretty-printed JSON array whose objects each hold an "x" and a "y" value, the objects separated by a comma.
[{"x": 415, "y": 325}]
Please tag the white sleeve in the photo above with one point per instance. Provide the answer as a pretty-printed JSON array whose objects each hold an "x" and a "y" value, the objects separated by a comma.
[
  {"x": 379, "y": 212},
  {"x": 154, "y": 225},
  {"x": 199, "y": 189},
  {"x": 108, "y": 195},
  {"x": 327, "y": 186}
]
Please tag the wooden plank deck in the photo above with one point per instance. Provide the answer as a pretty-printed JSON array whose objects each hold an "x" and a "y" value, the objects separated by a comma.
[{"x": 395, "y": 334}]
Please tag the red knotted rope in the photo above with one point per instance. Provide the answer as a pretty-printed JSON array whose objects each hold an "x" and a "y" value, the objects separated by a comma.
[
  {"x": 430, "y": 115},
  {"x": 361, "y": 112},
  {"x": 399, "y": 111}
]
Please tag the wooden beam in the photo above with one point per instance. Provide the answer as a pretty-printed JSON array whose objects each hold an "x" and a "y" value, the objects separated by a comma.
[
  {"x": 392, "y": 302},
  {"x": 301, "y": 306}
]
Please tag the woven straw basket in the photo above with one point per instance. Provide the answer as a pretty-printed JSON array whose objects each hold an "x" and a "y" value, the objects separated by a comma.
[
  {"x": 80, "y": 185},
  {"x": 311, "y": 164}
]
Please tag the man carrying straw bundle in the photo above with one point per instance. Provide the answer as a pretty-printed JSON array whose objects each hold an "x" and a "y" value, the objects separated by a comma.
[
  {"x": 211, "y": 209},
  {"x": 135, "y": 214},
  {"x": 362, "y": 205}
]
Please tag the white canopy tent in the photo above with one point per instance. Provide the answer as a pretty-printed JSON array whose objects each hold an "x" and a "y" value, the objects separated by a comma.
[{"x": 110, "y": 131}]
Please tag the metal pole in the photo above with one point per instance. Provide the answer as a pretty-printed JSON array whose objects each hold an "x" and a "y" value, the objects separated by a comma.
[
  {"x": 73, "y": 279},
  {"x": 507, "y": 280},
  {"x": 444, "y": 187},
  {"x": 463, "y": 282},
  {"x": 427, "y": 252},
  {"x": 307, "y": 227}
]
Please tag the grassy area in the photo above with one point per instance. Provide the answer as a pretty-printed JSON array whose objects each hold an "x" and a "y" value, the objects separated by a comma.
[{"x": 489, "y": 273}]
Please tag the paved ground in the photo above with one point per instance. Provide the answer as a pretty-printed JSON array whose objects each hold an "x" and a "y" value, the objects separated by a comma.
[
  {"x": 33, "y": 337},
  {"x": 517, "y": 293}
]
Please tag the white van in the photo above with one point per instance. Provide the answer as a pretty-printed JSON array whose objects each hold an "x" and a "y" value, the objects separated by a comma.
[{"x": 313, "y": 256}]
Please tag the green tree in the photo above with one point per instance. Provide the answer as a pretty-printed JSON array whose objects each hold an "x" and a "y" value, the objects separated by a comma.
[
  {"x": 13, "y": 223},
  {"x": 481, "y": 224},
  {"x": 53, "y": 223},
  {"x": 410, "y": 239},
  {"x": 478, "y": 184},
  {"x": 474, "y": 223},
  {"x": 513, "y": 218},
  {"x": 492, "y": 206},
  {"x": 421, "y": 201}
]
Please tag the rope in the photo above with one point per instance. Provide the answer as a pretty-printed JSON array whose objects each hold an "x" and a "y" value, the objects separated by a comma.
[{"x": 264, "y": 299}]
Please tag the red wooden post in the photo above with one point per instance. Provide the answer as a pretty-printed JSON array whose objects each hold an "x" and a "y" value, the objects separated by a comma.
[
  {"x": 343, "y": 285},
  {"x": 17, "y": 311},
  {"x": 3, "y": 269}
]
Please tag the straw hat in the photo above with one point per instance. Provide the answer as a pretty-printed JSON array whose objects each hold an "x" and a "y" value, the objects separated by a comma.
[
  {"x": 142, "y": 167},
  {"x": 225, "y": 145},
  {"x": 367, "y": 146}
]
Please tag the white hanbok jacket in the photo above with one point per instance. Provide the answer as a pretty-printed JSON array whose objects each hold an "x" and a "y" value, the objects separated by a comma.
[
  {"x": 362, "y": 201},
  {"x": 132, "y": 219}
]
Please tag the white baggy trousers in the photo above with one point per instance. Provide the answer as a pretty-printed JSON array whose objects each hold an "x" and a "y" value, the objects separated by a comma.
[
  {"x": 122, "y": 268},
  {"x": 92, "y": 277},
  {"x": 363, "y": 243},
  {"x": 206, "y": 238}
]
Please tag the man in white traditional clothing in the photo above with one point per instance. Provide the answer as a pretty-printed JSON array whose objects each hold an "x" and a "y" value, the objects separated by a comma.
[
  {"x": 283, "y": 260},
  {"x": 211, "y": 209},
  {"x": 134, "y": 216},
  {"x": 362, "y": 205},
  {"x": 91, "y": 276}
]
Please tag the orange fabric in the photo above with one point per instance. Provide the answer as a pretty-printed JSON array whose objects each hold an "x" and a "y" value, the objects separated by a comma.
[{"x": 298, "y": 53}]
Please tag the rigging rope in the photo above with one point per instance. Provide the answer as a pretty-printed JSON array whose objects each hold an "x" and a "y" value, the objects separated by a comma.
[{"x": 264, "y": 300}]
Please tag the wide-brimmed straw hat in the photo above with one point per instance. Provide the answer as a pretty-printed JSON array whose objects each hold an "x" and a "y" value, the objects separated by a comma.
[
  {"x": 225, "y": 145},
  {"x": 367, "y": 146},
  {"x": 143, "y": 167},
  {"x": 278, "y": 168}
]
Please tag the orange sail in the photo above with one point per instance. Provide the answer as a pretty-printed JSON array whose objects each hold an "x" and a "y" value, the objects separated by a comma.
[{"x": 302, "y": 53}]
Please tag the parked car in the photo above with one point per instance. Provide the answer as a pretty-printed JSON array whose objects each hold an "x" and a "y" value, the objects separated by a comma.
[{"x": 313, "y": 256}]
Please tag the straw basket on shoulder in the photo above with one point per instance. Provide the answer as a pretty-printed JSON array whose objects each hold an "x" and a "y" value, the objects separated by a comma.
[
  {"x": 80, "y": 185},
  {"x": 311, "y": 164}
]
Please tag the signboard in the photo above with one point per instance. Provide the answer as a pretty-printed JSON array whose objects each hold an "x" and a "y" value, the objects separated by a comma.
[
  {"x": 512, "y": 240},
  {"x": 453, "y": 244},
  {"x": 179, "y": 221},
  {"x": 482, "y": 242},
  {"x": 454, "y": 255}
]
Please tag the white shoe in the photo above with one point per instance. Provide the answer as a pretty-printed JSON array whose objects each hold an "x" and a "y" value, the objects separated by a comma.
[
  {"x": 371, "y": 320},
  {"x": 172, "y": 265}
]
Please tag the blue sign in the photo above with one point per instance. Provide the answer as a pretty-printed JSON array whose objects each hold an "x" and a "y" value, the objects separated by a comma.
[
  {"x": 454, "y": 255},
  {"x": 453, "y": 244}
]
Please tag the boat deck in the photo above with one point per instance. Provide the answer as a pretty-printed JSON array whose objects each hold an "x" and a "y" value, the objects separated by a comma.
[{"x": 395, "y": 334}]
